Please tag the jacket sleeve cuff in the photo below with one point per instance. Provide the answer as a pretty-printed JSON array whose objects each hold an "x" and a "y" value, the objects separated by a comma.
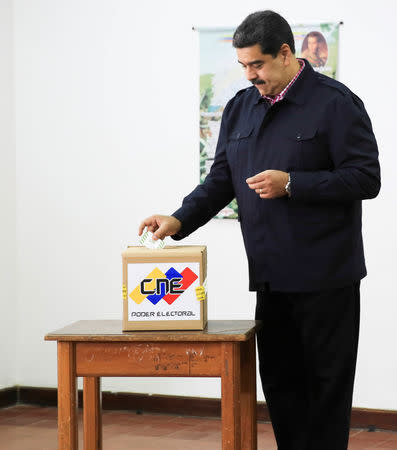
[
  {"x": 308, "y": 186},
  {"x": 297, "y": 186},
  {"x": 181, "y": 233}
]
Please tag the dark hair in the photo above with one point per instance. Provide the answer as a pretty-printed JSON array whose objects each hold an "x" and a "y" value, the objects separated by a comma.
[{"x": 266, "y": 28}]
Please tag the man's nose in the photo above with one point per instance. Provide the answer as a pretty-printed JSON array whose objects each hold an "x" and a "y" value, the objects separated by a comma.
[{"x": 250, "y": 74}]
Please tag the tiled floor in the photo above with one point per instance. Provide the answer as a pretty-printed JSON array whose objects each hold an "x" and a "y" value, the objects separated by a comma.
[{"x": 32, "y": 428}]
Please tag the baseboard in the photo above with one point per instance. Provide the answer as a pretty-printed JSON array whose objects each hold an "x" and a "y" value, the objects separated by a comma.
[
  {"x": 187, "y": 406},
  {"x": 8, "y": 396},
  {"x": 374, "y": 418}
]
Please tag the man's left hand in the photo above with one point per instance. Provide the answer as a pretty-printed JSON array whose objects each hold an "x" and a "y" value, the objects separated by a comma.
[{"x": 269, "y": 184}]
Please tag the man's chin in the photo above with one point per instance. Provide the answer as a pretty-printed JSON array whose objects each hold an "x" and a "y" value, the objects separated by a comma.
[{"x": 261, "y": 88}]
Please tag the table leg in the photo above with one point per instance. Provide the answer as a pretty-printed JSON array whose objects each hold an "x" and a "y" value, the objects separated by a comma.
[
  {"x": 92, "y": 413},
  {"x": 67, "y": 397},
  {"x": 231, "y": 418},
  {"x": 249, "y": 440}
]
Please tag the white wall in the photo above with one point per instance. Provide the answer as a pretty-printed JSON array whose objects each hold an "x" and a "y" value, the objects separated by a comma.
[
  {"x": 7, "y": 202},
  {"x": 106, "y": 126}
]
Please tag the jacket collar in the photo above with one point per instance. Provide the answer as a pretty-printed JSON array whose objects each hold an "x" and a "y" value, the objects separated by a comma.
[{"x": 301, "y": 88}]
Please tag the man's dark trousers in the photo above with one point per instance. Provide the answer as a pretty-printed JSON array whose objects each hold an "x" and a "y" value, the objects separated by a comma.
[{"x": 307, "y": 357}]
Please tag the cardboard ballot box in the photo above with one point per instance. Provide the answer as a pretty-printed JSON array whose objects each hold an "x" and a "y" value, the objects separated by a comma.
[{"x": 159, "y": 288}]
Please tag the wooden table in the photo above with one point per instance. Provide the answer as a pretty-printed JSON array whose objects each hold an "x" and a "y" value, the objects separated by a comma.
[{"x": 92, "y": 349}]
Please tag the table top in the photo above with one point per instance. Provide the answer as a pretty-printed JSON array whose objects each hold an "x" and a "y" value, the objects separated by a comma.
[{"x": 112, "y": 331}]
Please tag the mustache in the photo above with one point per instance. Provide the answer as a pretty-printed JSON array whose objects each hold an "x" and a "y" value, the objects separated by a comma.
[{"x": 257, "y": 81}]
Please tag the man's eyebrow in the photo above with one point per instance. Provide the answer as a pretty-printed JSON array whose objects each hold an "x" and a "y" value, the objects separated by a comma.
[{"x": 257, "y": 61}]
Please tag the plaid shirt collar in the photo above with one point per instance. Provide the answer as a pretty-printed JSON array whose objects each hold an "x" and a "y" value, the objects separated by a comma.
[{"x": 281, "y": 95}]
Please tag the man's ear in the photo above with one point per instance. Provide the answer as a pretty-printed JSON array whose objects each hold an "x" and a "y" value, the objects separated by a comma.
[{"x": 286, "y": 54}]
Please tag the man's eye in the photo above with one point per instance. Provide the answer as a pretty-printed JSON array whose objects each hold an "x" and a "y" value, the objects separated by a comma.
[{"x": 258, "y": 66}]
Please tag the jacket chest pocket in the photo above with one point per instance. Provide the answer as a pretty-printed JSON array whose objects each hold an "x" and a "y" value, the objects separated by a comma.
[
  {"x": 239, "y": 142},
  {"x": 311, "y": 153}
]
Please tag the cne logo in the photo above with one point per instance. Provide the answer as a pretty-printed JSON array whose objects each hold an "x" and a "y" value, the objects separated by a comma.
[{"x": 167, "y": 286}]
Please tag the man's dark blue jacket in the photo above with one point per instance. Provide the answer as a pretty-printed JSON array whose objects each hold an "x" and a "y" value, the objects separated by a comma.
[{"x": 321, "y": 134}]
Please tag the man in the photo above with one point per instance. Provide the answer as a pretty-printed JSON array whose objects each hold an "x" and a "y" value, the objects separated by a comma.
[
  {"x": 313, "y": 53},
  {"x": 297, "y": 151}
]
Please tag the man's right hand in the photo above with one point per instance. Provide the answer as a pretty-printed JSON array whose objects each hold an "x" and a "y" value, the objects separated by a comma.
[{"x": 160, "y": 226}]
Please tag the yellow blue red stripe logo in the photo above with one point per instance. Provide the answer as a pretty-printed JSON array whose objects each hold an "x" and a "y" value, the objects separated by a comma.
[{"x": 167, "y": 286}]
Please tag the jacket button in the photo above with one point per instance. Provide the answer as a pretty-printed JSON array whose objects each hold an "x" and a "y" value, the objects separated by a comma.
[
  {"x": 238, "y": 135},
  {"x": 298, "y": 137}
]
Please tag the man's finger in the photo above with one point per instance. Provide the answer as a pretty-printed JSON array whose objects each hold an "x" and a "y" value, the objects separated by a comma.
[
  {"x": 141, "y": 228},
  {"x": 256, "y": 178},
  {"x": 256, "y": 185},
  {"x": 252, "y": 180},
  {"x": 160, "y": 233},
  {"x": 150, "y": 223},
  {"x": 143, "y": 225},
  {"x": 152, "y": 228}
]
